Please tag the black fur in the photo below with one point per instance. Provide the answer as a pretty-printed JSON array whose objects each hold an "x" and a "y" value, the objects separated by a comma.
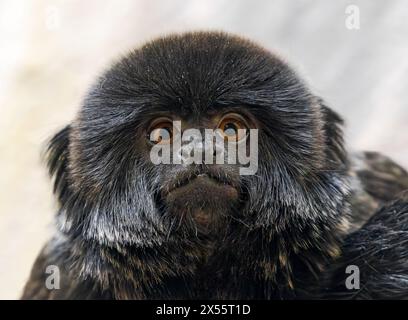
[
  {"x": 379, "y": 250},
  {"x": 289, "y": 233}
]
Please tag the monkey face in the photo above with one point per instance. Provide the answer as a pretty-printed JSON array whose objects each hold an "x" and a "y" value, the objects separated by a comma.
[
  {"x": 204, "y": 187},
  {"x": 112, "y": 191}
]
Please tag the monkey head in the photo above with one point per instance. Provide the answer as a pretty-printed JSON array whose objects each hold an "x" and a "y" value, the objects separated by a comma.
[{"x": 111, "y": 192}]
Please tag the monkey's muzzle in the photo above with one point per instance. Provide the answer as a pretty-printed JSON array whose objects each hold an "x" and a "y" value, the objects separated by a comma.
[{"x": 204, "y": 197}]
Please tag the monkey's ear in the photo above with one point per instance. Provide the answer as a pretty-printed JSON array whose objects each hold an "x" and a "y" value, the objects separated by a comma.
[
  {"x": 56, "y": 156},
  {"x": 333, "y": 131}
]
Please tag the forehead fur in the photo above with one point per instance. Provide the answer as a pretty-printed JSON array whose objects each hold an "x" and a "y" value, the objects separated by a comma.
[{"x": 195, "y": 71}]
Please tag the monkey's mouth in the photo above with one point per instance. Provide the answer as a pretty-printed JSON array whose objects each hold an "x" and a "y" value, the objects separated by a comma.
[
  {"x": 201, "y": 179},
  {"x": 205, "y": 198}
]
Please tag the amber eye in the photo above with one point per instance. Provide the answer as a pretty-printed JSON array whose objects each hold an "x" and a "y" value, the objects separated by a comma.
[
  {"x": 231, "y": 127},
  {"x": 161, "y": 132}
]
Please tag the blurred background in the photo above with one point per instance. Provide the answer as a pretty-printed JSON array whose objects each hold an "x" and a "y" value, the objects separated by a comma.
[{"x": 50, "y": 51}]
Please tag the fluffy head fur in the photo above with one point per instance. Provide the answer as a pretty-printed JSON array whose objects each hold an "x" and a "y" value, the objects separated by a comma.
[{"x": 132, "y": 238}]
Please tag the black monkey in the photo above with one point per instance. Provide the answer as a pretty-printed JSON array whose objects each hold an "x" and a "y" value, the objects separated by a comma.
[{"x": 129, "y": 229}]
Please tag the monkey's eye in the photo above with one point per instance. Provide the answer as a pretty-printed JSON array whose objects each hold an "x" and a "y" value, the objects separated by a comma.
[
  {"x": 232, "y": 127},
  {"x": 161, "y": 132}
]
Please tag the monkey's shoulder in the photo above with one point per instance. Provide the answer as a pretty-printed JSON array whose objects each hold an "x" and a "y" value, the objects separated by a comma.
[
  {"x": 378, "y": 251},
  {"x": 380, "y": 176},
  {"x": 53, "y": 277},
  {"x": 375, "y": 180}
]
